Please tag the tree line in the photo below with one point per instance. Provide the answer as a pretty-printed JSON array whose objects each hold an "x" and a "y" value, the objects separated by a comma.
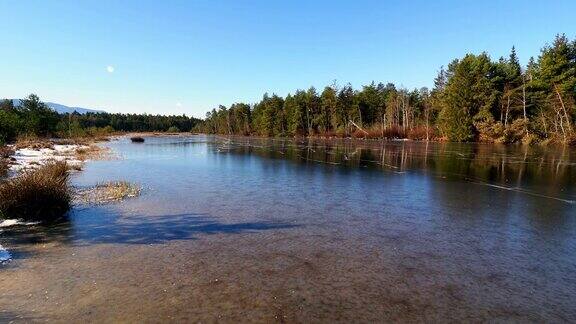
[
  {"x": 474, "y": 99},
  {"x": 33, "y": 117}
]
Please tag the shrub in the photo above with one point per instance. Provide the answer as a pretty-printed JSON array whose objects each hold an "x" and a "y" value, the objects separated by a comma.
[
  {"x": 515, "y": 131},
  {"x": 374, "y": 132},
  {"x": 530, "y": 139},
  {"x": 359, "y": 134},
  {"x": 173, "y": 129},
  {"x": 394, "y": 132},
  {"x": 420, "y": 133},
  {"x": 42, "y": 194},
  {"x": 341, "y": 131}
]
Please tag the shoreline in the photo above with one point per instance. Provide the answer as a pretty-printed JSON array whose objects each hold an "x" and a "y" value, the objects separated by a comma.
[{"x": 541, "y": 144}]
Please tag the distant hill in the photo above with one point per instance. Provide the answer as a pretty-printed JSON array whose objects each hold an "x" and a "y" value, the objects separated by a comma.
[{"x": 63, "y": 109}]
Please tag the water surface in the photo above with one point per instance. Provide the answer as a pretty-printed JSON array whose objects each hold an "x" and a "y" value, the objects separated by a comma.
[{"x": 240, "y": 229}]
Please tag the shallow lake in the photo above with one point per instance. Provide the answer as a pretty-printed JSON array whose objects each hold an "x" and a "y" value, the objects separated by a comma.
[{"x": 272, "y": 230}]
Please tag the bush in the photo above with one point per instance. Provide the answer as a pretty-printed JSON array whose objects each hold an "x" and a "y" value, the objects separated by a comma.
[
  {"x": 173, "y": 129},
  {"x": 392, "y": 132},
  {"x": 515, "y": 131},
  {"x": 490, "y": 131},
  {"x": 42, "y": 194},
  {"x": 341, "y": 131},
  {"x": 530, "y": 139},
  {"x": 420, "y": 133},
  {"x": 359, "y": 134}
]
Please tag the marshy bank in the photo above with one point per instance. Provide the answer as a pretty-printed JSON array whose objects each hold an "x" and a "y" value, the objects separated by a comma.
[
  {"x": 28, "y": 154},
  {"x": 35, "y": 186},
  {"x": 36, "y": 178}
]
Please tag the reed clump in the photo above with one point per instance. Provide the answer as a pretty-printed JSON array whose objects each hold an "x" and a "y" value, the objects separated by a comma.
[{"x": 41, "y": 194}]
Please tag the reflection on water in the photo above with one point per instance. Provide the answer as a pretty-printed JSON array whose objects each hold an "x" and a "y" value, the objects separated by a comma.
[
  {"x": 309, "y": 230},
  {"x": 547, "y": 171}
]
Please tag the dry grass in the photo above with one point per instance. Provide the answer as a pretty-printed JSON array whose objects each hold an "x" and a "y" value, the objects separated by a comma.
[
  {"x": 42, "y": 194},
  {"x": 5, "y": 153},
  {"x": 420, "y": 133},
  {"x": 92, "y": 152},
  {"x": 4, "y": 166},
  {"x": 73, "y": 141},
  {"x": 374, "y": 132},
  {"x": 32, "y": 142},
  {"x": 108, "y": 192}
]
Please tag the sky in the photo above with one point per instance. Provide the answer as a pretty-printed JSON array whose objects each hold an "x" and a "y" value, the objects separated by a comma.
[{"x": 187, "y": 57}]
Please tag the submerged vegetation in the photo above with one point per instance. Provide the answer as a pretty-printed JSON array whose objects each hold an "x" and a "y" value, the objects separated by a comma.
[
  {"x": 108, "y": 192},
  {"x": 41, "y": 194},
  {"x": 474, "y": 99}
]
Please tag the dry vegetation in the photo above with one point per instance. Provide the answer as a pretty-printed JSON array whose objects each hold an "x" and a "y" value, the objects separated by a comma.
[
  {"x": 92, "y": 152},
  {"x": 5, "y": 153},
  {"x": 42, "y": 194},
  {"x": 108, "y": 192},
  {"x": 3, "y": 167},
  {"x": 32, "y": 142}
]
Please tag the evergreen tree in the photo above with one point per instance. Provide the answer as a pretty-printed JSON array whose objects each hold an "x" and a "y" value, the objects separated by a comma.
[
  {"x": 469, "y": 96},
  {"x": 329, "y": 106}
]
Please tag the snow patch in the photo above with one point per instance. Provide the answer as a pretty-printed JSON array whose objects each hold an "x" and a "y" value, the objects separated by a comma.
[
  {"x": 14, "y": 222},
  {"x": 31, "y": 158}
]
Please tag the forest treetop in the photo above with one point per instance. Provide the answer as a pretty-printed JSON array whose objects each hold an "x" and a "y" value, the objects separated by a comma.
[
  {"x": 474, "y": 99},
  {"x": 33, "y": 117}
]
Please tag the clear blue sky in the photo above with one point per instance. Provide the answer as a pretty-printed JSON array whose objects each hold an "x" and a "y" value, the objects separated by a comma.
[{"x": 189, "y": 56}]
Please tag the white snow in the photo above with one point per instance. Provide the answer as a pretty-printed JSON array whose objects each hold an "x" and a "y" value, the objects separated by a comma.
[
  {"x": 31, "y": 158},
  {"x": 13, "y": 222}
]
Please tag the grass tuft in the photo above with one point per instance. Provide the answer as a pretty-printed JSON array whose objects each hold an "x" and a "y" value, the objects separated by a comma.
[
  {"x": 108, "y": 192},
  {"x": 41, "y": 194}
]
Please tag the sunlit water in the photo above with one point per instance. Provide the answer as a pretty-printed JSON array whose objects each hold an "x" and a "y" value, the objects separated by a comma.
[{"x": 237, "y": 229}]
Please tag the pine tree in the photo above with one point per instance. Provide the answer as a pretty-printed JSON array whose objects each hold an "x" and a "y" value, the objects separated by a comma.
[{"x": 329, "y": 103}]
